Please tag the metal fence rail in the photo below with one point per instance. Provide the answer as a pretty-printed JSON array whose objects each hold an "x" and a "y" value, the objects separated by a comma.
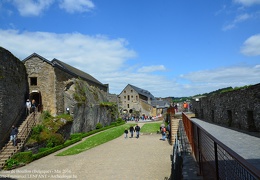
[
  {"x": 216, "y": 160},
  {"x": 176, "y": 160}
]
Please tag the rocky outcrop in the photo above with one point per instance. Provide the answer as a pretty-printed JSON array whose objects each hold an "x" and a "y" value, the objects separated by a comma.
[
  {"x": 84, "y": 102},
  {"x": 13, "y": 92}
]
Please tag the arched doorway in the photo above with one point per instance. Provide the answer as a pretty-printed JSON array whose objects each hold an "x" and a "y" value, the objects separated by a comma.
[{"x": 36, "y": 95}]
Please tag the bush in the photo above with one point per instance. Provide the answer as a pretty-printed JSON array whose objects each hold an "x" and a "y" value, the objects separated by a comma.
[
  {"x": 76, "y": 135},
  {"x": 11, "y": 163},
  {"x": 46, "y": 115},
  {"x": 120, "y": 120},
  {"x": 99, "y": 126},
  {"x": 20, "y": 158},
  {"x": 54, "y": 140},
  {"x": 43, "y": 149}
]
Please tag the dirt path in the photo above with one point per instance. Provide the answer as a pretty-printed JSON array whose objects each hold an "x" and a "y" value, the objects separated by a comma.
[{"x": 122, "y": 159}]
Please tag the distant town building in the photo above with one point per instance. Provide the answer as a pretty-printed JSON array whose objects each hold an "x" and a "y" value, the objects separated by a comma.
[{"x": 134, "y": 99}]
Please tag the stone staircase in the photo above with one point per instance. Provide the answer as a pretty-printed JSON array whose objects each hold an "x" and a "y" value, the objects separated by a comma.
[
  {"x": 24, "y": 131},
  {"x": 174, "y": 129}
]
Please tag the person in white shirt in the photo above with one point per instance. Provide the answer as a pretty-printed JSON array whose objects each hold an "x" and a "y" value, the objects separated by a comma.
[{"x": 28, "y": 107}]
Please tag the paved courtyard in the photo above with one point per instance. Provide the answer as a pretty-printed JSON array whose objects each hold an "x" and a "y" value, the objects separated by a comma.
[{"x": 132, "y": 158}]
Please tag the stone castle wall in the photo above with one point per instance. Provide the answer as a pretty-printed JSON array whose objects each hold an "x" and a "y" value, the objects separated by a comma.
[
  {"x": 239, "y": 108},
  {"x": 13, "y": 92}
]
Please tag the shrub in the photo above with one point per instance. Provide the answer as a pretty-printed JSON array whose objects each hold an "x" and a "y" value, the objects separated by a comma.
[
  {"x": 76, "y": 135},
  {"x": 54, "y": 140},
  {"x": 99, "y": 126},
  {"x": 120, "y": 120},
  {"x": 20, "y": 158},
  {"x": 11, "y": 163},
  {"x": 46, "y": 115}
]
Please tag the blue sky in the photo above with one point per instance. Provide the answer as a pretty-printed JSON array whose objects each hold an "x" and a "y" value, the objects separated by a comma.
[{"x": 170, "y": 48}]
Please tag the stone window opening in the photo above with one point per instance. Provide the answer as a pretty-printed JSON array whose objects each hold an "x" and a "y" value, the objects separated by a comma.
[{"x": 33, "y": 81}]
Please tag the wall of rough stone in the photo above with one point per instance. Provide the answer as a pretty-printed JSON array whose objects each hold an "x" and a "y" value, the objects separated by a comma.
[
  {"x": 44, "y": 72},
  {"x": 239, "y": 108},
  {"x": 13, "y": 92}
]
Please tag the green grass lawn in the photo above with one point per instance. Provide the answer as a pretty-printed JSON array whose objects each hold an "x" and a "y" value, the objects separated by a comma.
[
  {"x": 96, "y": 140},
  {"x": 106, "y": 136},
  {"x": 150, "y": 127}
]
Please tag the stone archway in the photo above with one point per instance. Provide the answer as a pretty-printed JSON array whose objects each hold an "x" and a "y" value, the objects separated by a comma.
[{"x": 36, "y": 95}]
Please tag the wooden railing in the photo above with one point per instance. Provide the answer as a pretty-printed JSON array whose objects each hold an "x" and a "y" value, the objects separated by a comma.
[
  {"x": 24, "y": 132},
  {"x": 216, "y": 160}
]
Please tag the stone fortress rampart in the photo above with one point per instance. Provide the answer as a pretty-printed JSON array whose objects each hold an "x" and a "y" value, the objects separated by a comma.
[
  {"x": 236, "y": 109},
  {"x": 13, "y": 92}
]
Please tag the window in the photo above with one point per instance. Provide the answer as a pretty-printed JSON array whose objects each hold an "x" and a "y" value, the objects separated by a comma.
[
  {"x": 33, "y": 81},
  {"x": 128, "y": 97},
  {"x": 128, "y": 106},
  {"x": 131, "y": 90}
]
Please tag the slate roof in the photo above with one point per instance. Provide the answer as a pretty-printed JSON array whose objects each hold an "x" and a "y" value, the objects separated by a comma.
[
  {"x": 75, "y": 71},
  {"x": 40, "y": 57},
  {"x": 142, "y": 92},
  {"x": 160, "y": 103},
  {"x": 67, "y": 68}
]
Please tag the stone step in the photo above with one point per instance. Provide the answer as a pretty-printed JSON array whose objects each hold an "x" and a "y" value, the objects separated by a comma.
[{"x": 9, "y": 150}]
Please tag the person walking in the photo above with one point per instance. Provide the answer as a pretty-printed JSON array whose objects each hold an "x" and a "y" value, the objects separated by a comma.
[
  {"x": 131, "y": 129},
  {"x": 28, "y": 107},
  {"x": 163, "y": 131},
  {"x": 33, "y": 105},
  {"x": 137, "y": 129},
  {"x": 13, "y": 135},
  {"x": 126, "y": 133}
]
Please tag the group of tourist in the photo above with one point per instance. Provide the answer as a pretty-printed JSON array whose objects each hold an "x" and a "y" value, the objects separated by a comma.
[
  {"x": 165, "y": 131},
  {"x": 186, "y": 107},
  {"x": 30, "y": 106},
  {"x": 132, "y": 129},
  {"x": 137, "y": 118}
]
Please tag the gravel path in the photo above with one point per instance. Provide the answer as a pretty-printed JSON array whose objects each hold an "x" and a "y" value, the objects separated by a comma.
[{"x": 132, "y": 158}]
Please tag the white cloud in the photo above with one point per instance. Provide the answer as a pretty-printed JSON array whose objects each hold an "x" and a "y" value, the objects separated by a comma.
[
  {"x": 107, "y": 60},
  {"x": 210, "y": 80},
  {"x": 247, "y": 2},
  {"x": 72, "y": 6},
  {"x": 227, "y": 75},
  {"x": 89, "y": 53},
  {"x": 240, "y": 18},
  {"x": 146, "y": 69},
  {"x": 251, "y": 46},
  {"x": 31, "y": 7}
]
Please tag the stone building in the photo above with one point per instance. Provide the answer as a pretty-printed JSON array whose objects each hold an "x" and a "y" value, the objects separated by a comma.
[
  {"x": 48, "y": 81},
  {"x": 160, "y": 106},
  {"x": 236, "y": 109},
  {"x": 133, "y": 99}
]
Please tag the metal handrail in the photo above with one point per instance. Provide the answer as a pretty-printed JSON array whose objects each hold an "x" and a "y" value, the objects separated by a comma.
[{"x": 214, "y": 158}]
